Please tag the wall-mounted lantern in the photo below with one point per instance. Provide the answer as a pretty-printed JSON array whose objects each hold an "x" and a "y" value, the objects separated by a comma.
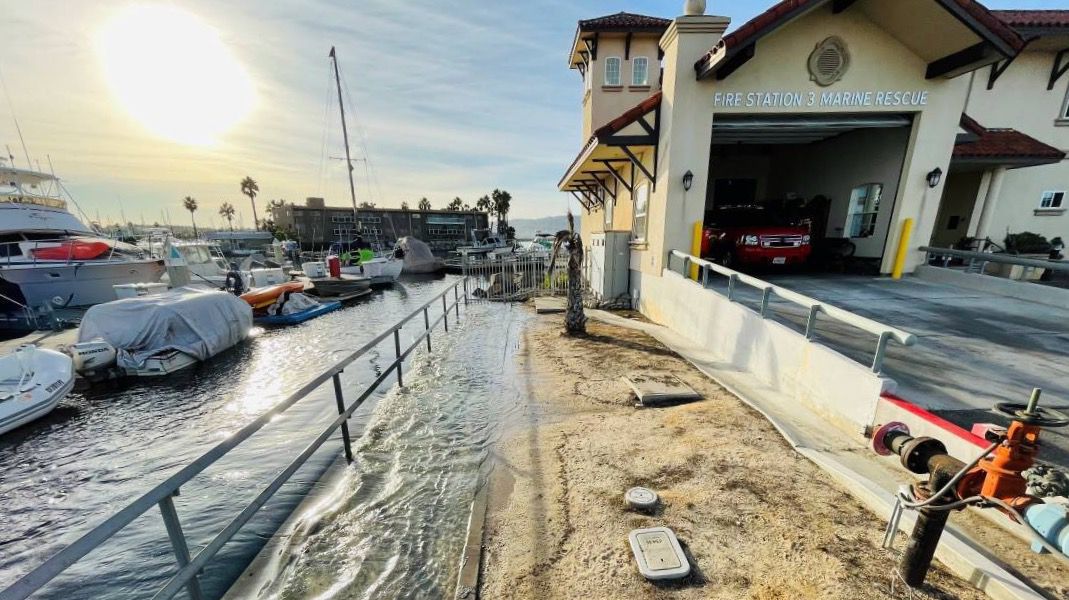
[
  {"x": 688, "y": 180},
  {"x": 935, "y": 177}
]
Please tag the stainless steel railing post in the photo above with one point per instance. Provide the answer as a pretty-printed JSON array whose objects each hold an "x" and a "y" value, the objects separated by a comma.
[
  {"x": 178, "y": 543},
  {"x": 811, "y": 323},
  {"x": 344, "y": 426},
  {"x": 397, "y": 352},
  {"x": 456, "y": 301},
  {"x": 445, "y": 314},
  {"x": 427, "y": 326},
  {"x": 881, "y": 349}
]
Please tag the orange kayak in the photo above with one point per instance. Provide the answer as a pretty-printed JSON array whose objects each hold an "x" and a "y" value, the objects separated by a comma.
[{"x": 262, "y": 297}]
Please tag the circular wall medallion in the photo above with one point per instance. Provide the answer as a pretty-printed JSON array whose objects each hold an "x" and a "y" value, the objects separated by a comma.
[{"x": 829, "y": 61}]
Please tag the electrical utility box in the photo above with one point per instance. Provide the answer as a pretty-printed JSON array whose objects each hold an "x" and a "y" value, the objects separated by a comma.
[{"x": 608, "y": 265}]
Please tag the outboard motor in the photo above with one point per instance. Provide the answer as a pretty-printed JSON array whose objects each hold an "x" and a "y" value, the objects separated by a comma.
[
  {"x": 93, "y": 356},
  {"x": 234, "y": 283}
]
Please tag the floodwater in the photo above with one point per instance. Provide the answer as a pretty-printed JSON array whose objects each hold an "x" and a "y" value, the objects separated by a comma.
[{"x": 394, "y": 526}]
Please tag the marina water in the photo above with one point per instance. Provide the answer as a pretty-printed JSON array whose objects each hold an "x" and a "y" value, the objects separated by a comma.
[{"x": 393, "y": 527}]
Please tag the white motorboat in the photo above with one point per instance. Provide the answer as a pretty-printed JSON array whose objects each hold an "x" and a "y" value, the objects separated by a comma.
[
  {"x": 32, "y": 383},
  {"x": 380, "y": 270},
  {"x": 158, "y": 335},
  {"x": 205, "y": 261},
  {"x": 486, "y": 245},
  {"x": 49, "y": 259}
]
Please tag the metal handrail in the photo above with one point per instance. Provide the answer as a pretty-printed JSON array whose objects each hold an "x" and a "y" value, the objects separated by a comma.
[
  {"x": 1006, "y": 259},
  {"x": 884, "y": 333},
  {"x": 162, "y": 494}
]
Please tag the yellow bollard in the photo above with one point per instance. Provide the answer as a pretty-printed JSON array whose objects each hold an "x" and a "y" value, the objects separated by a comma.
[
  {"x": 696, "y": 248},
  {"x": 903, "y": 249}
]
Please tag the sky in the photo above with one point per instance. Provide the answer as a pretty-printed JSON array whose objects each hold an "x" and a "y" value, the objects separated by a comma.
[{"x": 140, "y": 104}]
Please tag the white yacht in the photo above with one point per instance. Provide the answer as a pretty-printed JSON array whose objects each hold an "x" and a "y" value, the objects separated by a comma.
[{"x": 49, "y": 259}]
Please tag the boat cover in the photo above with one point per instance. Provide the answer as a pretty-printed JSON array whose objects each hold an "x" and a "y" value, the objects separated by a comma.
[
  {"x": 418, "y": 256},
  {"x": 198, "y": 322}
]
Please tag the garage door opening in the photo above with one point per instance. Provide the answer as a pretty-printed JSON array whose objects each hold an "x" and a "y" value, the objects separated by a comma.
[{"x": 813, "y": 189}]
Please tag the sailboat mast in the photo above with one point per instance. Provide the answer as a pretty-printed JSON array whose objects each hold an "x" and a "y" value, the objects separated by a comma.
[{"x": 345, "y": 135}]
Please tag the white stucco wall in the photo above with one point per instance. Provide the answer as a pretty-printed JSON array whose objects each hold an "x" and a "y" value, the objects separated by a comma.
[
  {"x": 842, "y": 391},
  {"x": 1021, "y": 100},
  {"x": 879, "y": 62}
]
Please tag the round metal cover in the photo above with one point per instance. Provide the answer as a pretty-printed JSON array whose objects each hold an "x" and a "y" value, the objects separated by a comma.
[{"x": 641, "y": 498}]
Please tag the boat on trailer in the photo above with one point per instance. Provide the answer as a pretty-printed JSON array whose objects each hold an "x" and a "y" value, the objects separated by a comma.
[{"x": 32, "y": 382}]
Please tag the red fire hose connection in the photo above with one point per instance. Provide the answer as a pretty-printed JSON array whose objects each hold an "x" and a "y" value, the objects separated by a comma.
[{"x": 993, "y": 479}]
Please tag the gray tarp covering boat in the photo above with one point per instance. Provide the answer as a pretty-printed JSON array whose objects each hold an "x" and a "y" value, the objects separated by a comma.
[
  {"x": 418, "y": 256},
  {"x": 200, "y": 323}
]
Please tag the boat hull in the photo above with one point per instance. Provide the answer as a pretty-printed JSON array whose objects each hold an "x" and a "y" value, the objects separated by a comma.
[
  {"x": 298, "y": 317},
  {"x": 326, "y": 287},
  {"x": 78, "y": 284},
  {"x": 53, "y": 380},
  {"x": 380, "y": 270}
]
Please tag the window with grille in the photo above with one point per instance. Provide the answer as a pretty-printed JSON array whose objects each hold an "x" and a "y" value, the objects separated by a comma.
[
  {"x": 612, "y": 71},
  {"x": 1052, "y": 200},
  {"x": 640, "y": 71}
]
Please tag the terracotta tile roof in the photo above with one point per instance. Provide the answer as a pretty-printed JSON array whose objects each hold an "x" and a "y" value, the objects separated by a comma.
[
  {"x": 994, "y": 144},
  {"x": 630, "y": 116},
  {"x": 782, "y": 12},
  {"x": 1034, "y": 18},
  {"x": 624, "y": 21}
]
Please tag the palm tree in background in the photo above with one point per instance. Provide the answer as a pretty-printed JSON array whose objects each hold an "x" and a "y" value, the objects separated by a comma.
[
  {"x": 227, "y": 212},
  {"x": 484, "y": 204},
  {"x": 191, "y": 205},
  {"x": 455, "y": 204},
  {"x": 570, "y": 241},
  {"x": 502, "y": 202},
  {"x": 404, "y": 205},
  {"x": 424, "y": 204},
  {"x": 250, "y": 188}
]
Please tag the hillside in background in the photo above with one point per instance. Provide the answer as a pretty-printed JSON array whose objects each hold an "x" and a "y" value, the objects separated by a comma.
[{"x": 526, "y": 228}]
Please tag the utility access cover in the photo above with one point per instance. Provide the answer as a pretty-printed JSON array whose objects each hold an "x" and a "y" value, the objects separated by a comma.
[
  {"x": 658, "y": 554},
  {"x": 660, "y": 388}
]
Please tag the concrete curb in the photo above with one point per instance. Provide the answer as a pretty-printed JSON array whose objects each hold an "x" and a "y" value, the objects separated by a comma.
[
  {"x": 471, "y": 558},
  {"x": 961, "y": 555}
]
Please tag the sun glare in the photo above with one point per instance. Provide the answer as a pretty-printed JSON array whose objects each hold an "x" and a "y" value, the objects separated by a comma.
[{"x": 171, "y": 72}]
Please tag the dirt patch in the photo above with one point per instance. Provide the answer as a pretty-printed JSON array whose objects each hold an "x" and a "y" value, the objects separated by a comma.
[{"x": 756, "y": 519}]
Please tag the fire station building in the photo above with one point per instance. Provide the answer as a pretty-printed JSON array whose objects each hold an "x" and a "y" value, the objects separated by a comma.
[{"x": 859, "y": 114}]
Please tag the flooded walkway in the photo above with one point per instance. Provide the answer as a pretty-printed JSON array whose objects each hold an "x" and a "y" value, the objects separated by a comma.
[{"x": 66, "y": 473}]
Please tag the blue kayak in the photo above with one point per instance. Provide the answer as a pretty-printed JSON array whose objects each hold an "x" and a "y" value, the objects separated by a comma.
[{"x": 298, "y": 317}]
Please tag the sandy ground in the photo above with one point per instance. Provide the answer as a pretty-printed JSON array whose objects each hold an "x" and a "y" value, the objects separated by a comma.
[{"x": 756, "y": 519}]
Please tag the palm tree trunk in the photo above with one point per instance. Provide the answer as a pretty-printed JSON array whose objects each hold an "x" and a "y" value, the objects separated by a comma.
[
  {"x": 230, "y": 222},
  {"x": 574, "y": 317},
  {"x": 255, "y": 220},
  {"x": 191, "y": 218}
]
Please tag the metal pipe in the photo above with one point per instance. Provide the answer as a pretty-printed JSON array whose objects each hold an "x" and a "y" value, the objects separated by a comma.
[
  {"x": 445, "y": 313},
  {"x": 1007, "y": 259},
  {"x": 920, "y": 550}
]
